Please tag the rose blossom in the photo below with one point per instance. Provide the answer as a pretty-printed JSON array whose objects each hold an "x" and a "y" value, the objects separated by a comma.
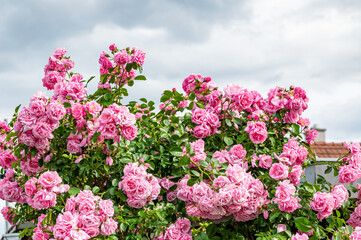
[
  {"x": 297, "y": 236},
  {"x": 257, "y": 131},
  {"x": 348, "y": 174},
  {"x": 49, "y": 179},
  {"x": 278, "y": 171}
]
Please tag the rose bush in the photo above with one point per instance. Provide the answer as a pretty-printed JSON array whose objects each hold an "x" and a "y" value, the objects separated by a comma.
[{"x": 208, "y": 164}]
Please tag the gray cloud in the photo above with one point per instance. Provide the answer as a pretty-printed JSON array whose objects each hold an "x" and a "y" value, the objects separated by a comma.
[{"x": 258, "y": 44}]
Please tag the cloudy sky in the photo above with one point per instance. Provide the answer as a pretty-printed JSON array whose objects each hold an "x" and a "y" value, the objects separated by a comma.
[{"x": 258, "y": 44}]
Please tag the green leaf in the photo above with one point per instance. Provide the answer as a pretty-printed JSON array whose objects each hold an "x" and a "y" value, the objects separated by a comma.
[
  {"x": 328, "y": 170},
  {"x": 185, "y": 161},
  {"x": 237, "y": 121},
  {"x": 200, "y": 105},
  {"x": 128, "y": 67},
  {"x": 73, "y": 191},
  {"x": 228, "y": 122},
  {"x": 191, "y": 182},
  {"x": 96, "y": 189},
  {"x": 108, "y": 96},
  {"x": 228, "y": 141},
  {"x": 174, "y": 187},
  {"x": 33, "y": 152},
  {"x": 17, "y": 108},
  {"x": 115, "y": 182},
  {"x": 295, "y": 129},
  {"x": 103, "y": 78},
  {"x": 67, "y": 105},
  {"x": 41, "y": 162},
  {"x": 203, "y": 163},
  {"x": 125, "y": 160},
  {"x": 176, "y": 151},
  {"x": 274, "y": 215},
  {"x": 140, "y": 77},
  {"x": 303, "y": 224},
  {"x": 211, "y": 230},
  {"x": 201, "y": 236}
]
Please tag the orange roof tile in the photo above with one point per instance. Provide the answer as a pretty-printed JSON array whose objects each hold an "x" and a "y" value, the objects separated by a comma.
[{"x": 329, "y": 150}]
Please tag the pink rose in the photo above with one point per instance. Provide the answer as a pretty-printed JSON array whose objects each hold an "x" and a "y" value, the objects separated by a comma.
[
  {"x": 348, "y": 174},
  {"x": 340, "y": 194},
  {"x": 43, "y": 200},
  {"x": 90, "y": 220},
  {"x": 37, "y": 107},
  {"x": 278, "y": 171},
  {"x": 295, "y": 174},
  {"x": 55, "y": 111},
  {"x": 86, "y": 206},
  {"x": 172, "y": 233},
  {"x": 109, "y": 131},
  {"x": 323, "y": 203},
  {"x": 265, "y": 161},
  {"x": 49, "y": 179},
  {"x": 42, "y": 130},
  {"x": 199, "y": 116},
  {"x": 30, "y": 187},
  {"x": 130, "y": 132},
  {"x": 281, "y": 228},
  {"x": 78, "y": 234},
  {"x": 297, "y": 236},
  {"x": 257, "y": 131},
  {"x": 237, "y": 154},
  {"x": 202, "y": 131},
  {"x": 106, "y": 208},
  {"x": 109, "y": 161},
  {"x": 290, "y": 205},
  {"x": 138, "y": 56},
  {"x": 121, "y": 58},
  {"x": 183, "y": 224},
  {"x": 40, "y": 235},
  {"x": 70, "y": 204},
  {"x": 136, "y": 203}
]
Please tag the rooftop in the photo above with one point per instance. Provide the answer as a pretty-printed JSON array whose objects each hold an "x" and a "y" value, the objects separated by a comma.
[{"x": 329, "y": 150}]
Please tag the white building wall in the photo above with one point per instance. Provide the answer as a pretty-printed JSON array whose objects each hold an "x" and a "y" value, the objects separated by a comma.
[{"x": 3, "y": 223}]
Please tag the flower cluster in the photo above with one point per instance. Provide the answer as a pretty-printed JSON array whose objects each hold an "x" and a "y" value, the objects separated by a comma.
[
  {"x": 208, "y": 122},
  {"x": 351, "y": 172},
  {"x": 198, "y": 151},
  {"x": 139, "y": 186},
  {"x": 295, "y": 100},
  {"x": 285, "y": 197},
  {"x": 86, "y": 216},
  {"x": 199, "y": 85},
  {"x": 55, "y": 70},
  {"x": 41, "y": 231},
  {"x": 325, "y": 203},
  {"x": 239, "y": 194},
  {"x": 42, "y": 192},
  {"x": 36, "y": 122},
  {"x": 10, "y": 190},
  {"x": 242, "y": 99},
  {"x": 180, "y": 230},
  {"x": 70, "y": 90},
  {"x": 290, "y": 162},
  {"x": 235, "y": 156},
  {"x": 116, "y": 121},
  {"x": 9, "y": 214},
  {"x": 117, "y": 68}
]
